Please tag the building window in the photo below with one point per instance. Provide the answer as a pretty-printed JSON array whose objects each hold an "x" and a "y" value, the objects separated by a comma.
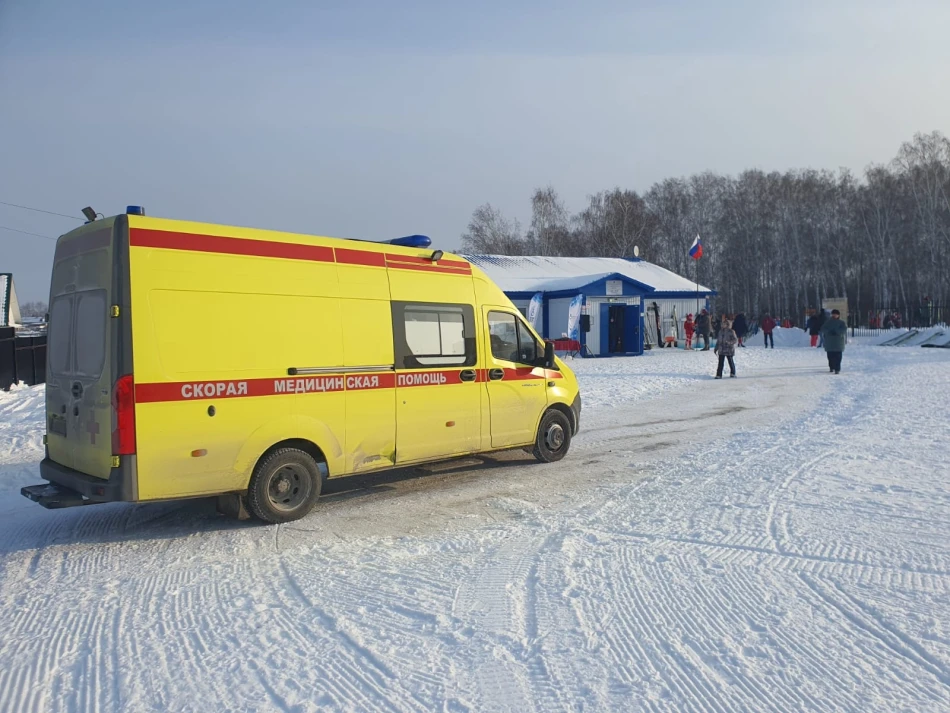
[{"x": 433, "y": 335}]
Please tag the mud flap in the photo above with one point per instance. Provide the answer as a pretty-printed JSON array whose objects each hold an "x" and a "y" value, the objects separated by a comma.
[{"x": 233, "y": 505}]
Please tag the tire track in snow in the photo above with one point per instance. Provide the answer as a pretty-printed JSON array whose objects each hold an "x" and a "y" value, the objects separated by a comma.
[
  {"x": 873, "y": 625},
  {"x": 777, "y": 528},
  {"x": 374, "y": 678},
  {"x": 486, "y": 601},
  {"x": 707, "y": 622},
  {"x": 654, "y": 618}
]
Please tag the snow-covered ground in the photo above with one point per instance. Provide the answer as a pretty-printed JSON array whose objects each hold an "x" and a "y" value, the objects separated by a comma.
[{"x": 776, "y": 542}]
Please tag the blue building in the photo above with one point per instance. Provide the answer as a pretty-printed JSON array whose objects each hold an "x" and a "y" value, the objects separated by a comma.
[{"x": 621, "y": 300}]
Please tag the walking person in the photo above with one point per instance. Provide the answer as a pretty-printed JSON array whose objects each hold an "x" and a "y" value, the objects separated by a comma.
[
  {"x": 813, "y": 325},
  {"x": 726, "y": 341},
  {"x": 703, "y": 327},
  {"x": 768, "y": 326},
  {"x": 689, "y": 327},
  {"x": 834, "y": 334},
  {"x": 740, "y": 326}
]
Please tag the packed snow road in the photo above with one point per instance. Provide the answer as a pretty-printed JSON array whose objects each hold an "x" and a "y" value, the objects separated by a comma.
[{"x": 771, "y": 543}]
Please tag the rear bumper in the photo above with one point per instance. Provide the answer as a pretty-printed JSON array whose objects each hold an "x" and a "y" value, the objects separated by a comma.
[{"x": 118, "y": 488}]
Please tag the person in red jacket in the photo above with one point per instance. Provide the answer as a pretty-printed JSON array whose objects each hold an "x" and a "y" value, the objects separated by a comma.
[
  {"x": 768, "y": 326},
  {"x": 689, "y": 327}
]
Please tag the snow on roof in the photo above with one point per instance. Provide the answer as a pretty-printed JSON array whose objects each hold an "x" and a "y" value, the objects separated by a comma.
[{"x": 552, "y": 274}]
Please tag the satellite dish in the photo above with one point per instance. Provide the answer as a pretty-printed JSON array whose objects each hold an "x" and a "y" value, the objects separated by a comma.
[{"x": 636, "y": 251}]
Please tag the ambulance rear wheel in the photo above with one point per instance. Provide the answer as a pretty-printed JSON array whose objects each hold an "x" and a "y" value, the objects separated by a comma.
[
  {"x": 554, "y": 437},
  {"x": 285, "y": 486}
]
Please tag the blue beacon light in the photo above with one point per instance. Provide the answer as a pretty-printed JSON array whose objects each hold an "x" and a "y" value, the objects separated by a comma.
[
  {"x": 135, "y": 210},
  {"x": 412, "y": 241}
]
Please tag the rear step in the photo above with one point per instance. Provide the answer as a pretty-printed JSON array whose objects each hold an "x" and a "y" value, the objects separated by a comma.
[{"x": 54, "y": 497}]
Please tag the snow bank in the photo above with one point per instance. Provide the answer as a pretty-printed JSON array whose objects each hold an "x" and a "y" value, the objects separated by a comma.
[{"x": 789, "y": 337}]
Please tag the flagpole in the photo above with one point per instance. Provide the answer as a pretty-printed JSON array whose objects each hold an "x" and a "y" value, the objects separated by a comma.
[{"x": 696, "y": 275}]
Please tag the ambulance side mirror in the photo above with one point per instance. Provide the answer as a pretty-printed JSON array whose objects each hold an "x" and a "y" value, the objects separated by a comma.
[{"x": 549, "y": 355}]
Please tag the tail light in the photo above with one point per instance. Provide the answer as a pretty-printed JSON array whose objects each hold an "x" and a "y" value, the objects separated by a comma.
[{"x": 123, "y": 403}]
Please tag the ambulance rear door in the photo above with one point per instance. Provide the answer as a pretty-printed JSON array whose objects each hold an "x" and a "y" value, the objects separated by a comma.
[{"x": 81, "y": 350}]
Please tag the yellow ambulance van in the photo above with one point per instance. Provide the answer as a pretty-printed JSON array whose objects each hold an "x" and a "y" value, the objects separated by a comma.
[{"x": 189, "y": 360}]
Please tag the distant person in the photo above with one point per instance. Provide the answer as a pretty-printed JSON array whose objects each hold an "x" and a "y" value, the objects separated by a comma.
[
  {"x": 834, "y": 334},
  {"x": 740, "y": 326},
  {"x": 813, "y": 325},
  {"x": 704, "y": 328},
  {"x": 689, "y": 327},
  {"x": 768, "y": 326},
  {"x": 726, "y": 341}
]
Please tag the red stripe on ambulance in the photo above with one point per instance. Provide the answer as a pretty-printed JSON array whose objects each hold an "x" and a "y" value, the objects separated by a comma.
[
  {"x": 205, "y": 390},
  {"x": 223, "y": 245},
  {"x": 323, "y": 384},
  {"x": 195, "y": 242},
  {"x": 371, "y": 381},
  {"x": 428, "y": 378}
]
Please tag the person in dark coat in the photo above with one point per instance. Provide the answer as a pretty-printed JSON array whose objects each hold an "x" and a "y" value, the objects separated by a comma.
[
  {"x": 726, "y": 341},
  {"x": 704, "y": 329},
  {"x": 834, "y": 334},
  {"x": 740, "y": 326},
  {"x": 813, "y": 325},
  {"x": 768, "y": 326}
]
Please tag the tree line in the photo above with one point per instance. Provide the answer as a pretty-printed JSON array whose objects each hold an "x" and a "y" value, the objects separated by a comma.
[{"x": 773, "y": 242}]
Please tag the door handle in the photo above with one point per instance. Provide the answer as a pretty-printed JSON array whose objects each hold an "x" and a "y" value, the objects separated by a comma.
[
  {"x": 496, "y": 374},
  {"x": 468, "y": 375},
  {"x": 77, "y": 390}
]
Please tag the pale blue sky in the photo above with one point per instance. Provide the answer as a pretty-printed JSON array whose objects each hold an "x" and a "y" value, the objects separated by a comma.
[{"x": 377, "y": 119}]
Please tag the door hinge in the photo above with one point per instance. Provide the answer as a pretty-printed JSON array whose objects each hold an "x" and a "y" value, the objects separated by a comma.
[
  {"x": 116, "y": 462},
  {"x": 115, "y": 311}
]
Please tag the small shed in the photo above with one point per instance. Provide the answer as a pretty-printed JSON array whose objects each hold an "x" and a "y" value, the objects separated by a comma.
[
  {"x": 9, "y": 307},
  {"x": 610, "y": 306}
]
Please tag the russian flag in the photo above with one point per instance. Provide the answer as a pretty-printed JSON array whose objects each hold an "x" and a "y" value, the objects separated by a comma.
[{"x": 696, "y": 249}]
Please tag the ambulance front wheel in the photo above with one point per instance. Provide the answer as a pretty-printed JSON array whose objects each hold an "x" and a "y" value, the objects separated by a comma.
[
  {"x": 285, "y": 486},
  {"x": 554, "y": 437}
]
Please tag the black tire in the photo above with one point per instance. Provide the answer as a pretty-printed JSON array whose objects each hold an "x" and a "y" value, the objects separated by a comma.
[
  {"x": 554, "y": 437},
  {"x": 285, "y": 486}
]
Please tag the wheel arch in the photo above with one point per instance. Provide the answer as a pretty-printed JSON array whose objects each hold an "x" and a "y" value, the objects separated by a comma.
[
  {"x": 300, "y": 444},
  {"x": 567, "y": 411}
]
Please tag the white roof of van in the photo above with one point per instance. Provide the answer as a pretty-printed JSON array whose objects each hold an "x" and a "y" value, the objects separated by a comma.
[{"x": 535, "y": 273}]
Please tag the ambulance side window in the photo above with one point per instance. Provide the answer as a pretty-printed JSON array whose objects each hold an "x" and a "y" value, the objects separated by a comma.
[
  {"x": 433, "y": 335},
  {"x": 503, "y": 334},
  {"x": 527, "y": 346},
  {"x": 511, "y": 340}
]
